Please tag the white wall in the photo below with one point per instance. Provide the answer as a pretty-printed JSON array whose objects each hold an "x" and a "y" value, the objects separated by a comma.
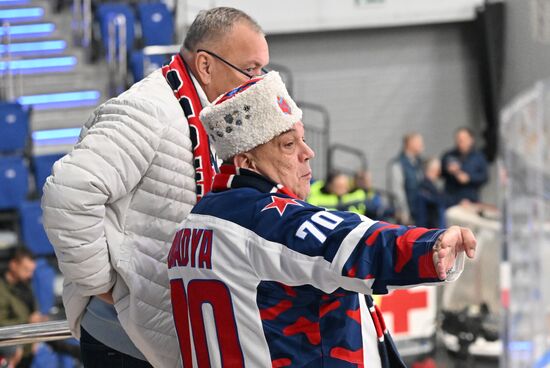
[{"x": 290, "y": 16}]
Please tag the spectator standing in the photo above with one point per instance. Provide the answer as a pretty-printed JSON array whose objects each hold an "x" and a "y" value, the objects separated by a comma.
[
  {"x": 112, "y": 204},
  {"x": 404, "y": 177},
  {"x": 464, "y": 169}
]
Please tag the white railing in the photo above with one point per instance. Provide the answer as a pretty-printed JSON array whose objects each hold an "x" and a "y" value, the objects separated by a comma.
[{"x": 35, "y": 332}]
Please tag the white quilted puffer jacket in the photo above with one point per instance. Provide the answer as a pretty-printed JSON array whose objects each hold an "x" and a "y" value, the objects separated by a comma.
[{"x": 112, "y": 205}]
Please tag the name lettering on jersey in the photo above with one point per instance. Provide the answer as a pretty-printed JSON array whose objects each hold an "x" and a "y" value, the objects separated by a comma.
[
  {"x": 280, "y": 204},
  {"x": 191, "y": 248}
]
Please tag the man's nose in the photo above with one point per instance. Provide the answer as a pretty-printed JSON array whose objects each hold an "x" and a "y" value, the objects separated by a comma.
[{"x": 308, "y": 152}]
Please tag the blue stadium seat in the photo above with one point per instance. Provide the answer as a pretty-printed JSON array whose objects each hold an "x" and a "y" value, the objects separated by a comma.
[
  {"x": 43, "y": 168},
  {"x": 140, "y": 68},
  {"x": 106, "y": 12},
  {"x": 42, "y": 285},
  {"x": 14, "y": 127},
  {"x": 157, "y": 24},
  {"x": 32, "y": 230},
  {"x": 14, "y": 182},
  {"x": 46, "y": 357}
]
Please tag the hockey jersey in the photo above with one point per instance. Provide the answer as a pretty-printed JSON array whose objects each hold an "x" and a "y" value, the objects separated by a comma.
[{"x": 260, "y": 278}]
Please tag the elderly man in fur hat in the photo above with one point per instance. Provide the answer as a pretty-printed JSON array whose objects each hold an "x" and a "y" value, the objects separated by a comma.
[{"x": 261, "y": 278}]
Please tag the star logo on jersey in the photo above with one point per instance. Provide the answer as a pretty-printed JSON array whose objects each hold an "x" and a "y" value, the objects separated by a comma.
[{"x": 280, "y": 204}]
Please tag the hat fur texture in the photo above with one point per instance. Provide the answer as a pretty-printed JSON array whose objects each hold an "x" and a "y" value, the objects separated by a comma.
[{"x": 247, "y": 117}]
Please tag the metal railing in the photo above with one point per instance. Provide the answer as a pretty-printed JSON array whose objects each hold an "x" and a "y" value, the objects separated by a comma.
[
  {"x": 82, "y": 24},
  {"x": 8, "y": 91},
  {"x": 156, "y": 50},
  {"x": 117, "y": 51},
  {"x": 317, "y": 135},
  {"x": 358, "y": 155},
  {"x": 286, "y": 75},
  {"x": 35, "y": 332}
]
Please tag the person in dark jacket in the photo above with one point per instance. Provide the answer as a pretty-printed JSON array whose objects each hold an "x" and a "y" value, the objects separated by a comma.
[
  {"x": 404, "y": 176},
  {"x": 464, "y": 169},
  {"x": 430, "y": 208}
]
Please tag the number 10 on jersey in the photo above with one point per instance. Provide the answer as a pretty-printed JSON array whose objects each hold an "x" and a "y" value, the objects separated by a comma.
[{"x": 188, "y": 312}]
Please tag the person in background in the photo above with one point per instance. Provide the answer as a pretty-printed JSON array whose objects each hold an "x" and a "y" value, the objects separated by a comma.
[
  {"x": 464, "y": 169},
  {"x": 332, "y": 192},
  {"x": 404, "y": 176},
  {"x": 142, "y": 161},
  {"x": 368, "y": 201},
  {"x": 430, "y": 208},
  {"x": 17, "y": 303}
]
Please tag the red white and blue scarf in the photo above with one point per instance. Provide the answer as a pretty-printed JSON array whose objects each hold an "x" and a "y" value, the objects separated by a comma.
[
  {"x": 178, "y": 77},
  {"x": 233, "y": 177}
]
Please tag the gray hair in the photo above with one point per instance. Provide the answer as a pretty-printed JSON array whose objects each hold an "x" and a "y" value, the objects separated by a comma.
[{"x": 213, "y": 24}]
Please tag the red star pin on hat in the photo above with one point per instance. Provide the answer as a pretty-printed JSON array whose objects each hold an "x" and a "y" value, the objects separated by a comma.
[
  {"x": 280, "y": 204},
  {"x": 283, "y": 105}
]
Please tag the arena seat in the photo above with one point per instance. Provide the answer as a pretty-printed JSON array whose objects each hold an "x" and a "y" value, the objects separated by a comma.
[
  {"x": 142, "y": 65},
  {"x": 42, "y": 166},
  {"x": 157, "y": 24},
  {"x": 14, "y": 185},
  {"x": 14, "y": 127},
  {"x": 46, "y": 357},
  {"x": 108, "y": 11},
  {"x": 32, "y": 230},
  {"x": 42, "y": 285}
]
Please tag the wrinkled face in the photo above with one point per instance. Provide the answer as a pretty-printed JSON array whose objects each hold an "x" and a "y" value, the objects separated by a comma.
[
  {"x": 464, "y": 141},
  {"x": 22, "y": 270},
  {"x": 243, "y": 47},
  {"x": 285, "y": 160}
]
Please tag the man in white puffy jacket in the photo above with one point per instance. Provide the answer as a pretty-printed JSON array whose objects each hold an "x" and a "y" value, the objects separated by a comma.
[{"x": 111, "y": 206}]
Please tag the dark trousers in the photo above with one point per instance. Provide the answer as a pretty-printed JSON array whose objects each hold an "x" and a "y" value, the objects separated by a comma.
[{"x": 97, "y": 355}]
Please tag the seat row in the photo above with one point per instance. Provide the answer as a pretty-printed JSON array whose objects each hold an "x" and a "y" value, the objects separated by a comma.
[
  {"x": 157, "y": 28},
  {"x": 20, "y": 172}
]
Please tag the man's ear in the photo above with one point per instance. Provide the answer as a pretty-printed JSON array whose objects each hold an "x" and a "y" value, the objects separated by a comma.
[
  {"x": 203, "y": 66},
  {"x": 244, "y": 160}
]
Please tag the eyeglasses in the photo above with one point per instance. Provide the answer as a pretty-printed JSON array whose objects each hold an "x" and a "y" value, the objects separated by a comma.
[{"x": 250, "y": 76}]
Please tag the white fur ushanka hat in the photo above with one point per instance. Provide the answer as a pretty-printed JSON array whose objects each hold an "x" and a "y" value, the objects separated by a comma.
[{"x": 250, "y": 115}]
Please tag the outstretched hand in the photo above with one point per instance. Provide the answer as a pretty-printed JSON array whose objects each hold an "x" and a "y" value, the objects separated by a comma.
[{"x": 448, "y": 246}]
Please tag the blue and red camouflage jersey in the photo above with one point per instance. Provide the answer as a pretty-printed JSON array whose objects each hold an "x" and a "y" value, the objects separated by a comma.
[{"x": 261, "y": 279}]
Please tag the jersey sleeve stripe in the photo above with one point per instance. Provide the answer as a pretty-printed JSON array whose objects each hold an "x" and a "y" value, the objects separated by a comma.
[{"x": 349, "y": 243}]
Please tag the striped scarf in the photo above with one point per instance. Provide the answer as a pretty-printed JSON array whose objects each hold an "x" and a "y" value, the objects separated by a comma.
[
  {"x": 178, "y": 77},
  {"x": 234, "y": 177}
]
